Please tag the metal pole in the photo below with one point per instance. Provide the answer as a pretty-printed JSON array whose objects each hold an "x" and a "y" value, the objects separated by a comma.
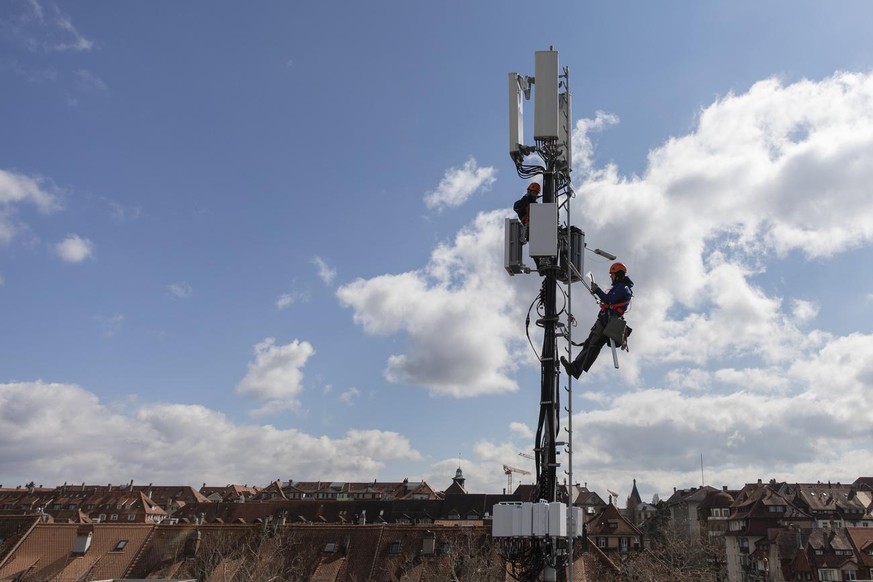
[
  {"x": 569, "y": 250},
  {"x": 549, "y": 376}
]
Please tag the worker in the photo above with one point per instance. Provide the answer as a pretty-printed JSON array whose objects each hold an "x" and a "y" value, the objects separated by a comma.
[
  {"x": 613, "y": 303},
  {"x": 522, "y": 206}
]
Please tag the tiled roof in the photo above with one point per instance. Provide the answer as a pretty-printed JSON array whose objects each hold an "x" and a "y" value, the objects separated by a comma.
[
  {"x": 610, "y": 522},
  {"x": 47, "y": 552},
  {"x": 862, "y": 541},
  {"x": 13, "y": 529}
]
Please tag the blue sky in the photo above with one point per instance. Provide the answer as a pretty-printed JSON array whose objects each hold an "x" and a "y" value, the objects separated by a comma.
[{"x": 247, "y": 243}]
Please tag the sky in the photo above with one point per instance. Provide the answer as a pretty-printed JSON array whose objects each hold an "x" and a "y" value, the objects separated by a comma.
[{"x": 241, "y": 243}]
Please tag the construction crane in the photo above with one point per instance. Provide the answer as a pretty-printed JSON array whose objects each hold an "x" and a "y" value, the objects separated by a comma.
[{"x": 509, "y": 471}]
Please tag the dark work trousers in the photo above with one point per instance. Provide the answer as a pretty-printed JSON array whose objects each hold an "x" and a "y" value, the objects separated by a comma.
[{"x": 590, "y": 349}]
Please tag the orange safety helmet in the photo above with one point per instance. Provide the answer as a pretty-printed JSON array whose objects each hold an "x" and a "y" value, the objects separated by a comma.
[
  {"x": 617, "y": 267},
  {"x": 533, "y": 187}
]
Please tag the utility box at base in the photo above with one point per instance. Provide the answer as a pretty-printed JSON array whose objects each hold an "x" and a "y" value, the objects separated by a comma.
[
  {"x": 576, "y": 522},
  {"x": 540, "y": 519},
  {"x": 557, "y": 519}
]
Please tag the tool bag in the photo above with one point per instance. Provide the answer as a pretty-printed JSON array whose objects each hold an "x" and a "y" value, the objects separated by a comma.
[{"x": 615, "y": 329}]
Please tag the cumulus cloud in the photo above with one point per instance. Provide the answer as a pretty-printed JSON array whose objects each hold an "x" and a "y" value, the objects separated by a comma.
[
  {"x": 173, "y": 443},
  {"x": 458, "y": 184},
  {"x": 74, "y": 249},
  {"x": 276, "y": 375},
  {"x": 816, "y": 420},
  {"x": 325, "y": 272},
  {"x": 521, "y": 429},
  {"x": 455, "y": 346},
  {"x": 720, "y": 363}
]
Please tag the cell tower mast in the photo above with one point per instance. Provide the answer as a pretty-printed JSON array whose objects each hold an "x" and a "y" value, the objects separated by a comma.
[{"x": 540, "y": 547}]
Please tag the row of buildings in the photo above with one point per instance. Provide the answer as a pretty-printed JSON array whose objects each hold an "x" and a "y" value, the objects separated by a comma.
[
  {"x": 287, "y": 530},
  {"x": 407, "y": 530},
  {"x": 778, "y": 531}
]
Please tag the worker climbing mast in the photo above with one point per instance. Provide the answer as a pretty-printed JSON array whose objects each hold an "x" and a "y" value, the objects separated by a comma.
[{"x": 537, "y": 538}]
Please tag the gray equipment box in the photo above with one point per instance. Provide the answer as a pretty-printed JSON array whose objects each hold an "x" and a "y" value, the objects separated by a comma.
[{"x": 512, "y": 246}]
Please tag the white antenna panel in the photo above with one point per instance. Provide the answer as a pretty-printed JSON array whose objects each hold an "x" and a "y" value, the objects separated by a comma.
[
  {"x": 516, "y": 112},
  {"x": 546, "y": 102}
]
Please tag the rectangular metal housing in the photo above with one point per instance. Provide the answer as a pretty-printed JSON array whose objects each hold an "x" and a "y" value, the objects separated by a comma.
[
  {"x": 557, "y": 519},
  {"x": 540, "y": 519},
  {"x": 516, "y": 113},
  {"x": 546, "y": 95},
  {"x": 574, "y": 239},
  {"x": 543, "y": 230},
  {"x": 512, "y": 248},
  {"x": 576, "y": 522},
  {"x": 503, "y": 520}
]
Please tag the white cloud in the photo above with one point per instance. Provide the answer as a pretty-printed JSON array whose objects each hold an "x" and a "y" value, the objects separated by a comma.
[
  {"x": 286, "y": 300},
  {"x": 39, "y": 32},
  {"x": 276, "y": 375},
  {"x": 720, "y": 363},
  {"x": 459, "y": 184},
  {"x": 173, "y": 443},
  {"x": 325, "y": 272},
  {"x": 349, "y": 396},
  {"x": 803, "y": 311},
  {"x": 455, "y": 345},
  {"x": 67, "y": 37},
  {"x": 75, "y": 249},
  {"x": 583, "y": 147},
  {"x": 521, "y": 429},
  {"x": 181, "y": 290},
  {"x": 18, "y": 189}
]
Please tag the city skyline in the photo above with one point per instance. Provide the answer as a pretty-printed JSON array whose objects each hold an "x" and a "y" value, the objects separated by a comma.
[{"x": 267, "y": 243}]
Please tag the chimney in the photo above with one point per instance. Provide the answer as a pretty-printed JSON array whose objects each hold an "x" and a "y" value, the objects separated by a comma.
[
  {"x": 724, "y": 487},
  {"x": 759, "y": 481}
]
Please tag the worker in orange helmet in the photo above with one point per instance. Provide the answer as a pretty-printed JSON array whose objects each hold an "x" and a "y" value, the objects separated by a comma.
[
  {"x": 613, "y": 303},
  {"x": 522, "y": 207}
]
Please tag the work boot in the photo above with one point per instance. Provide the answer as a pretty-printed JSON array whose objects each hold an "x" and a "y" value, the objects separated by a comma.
[{"x": 570, "y": 368}]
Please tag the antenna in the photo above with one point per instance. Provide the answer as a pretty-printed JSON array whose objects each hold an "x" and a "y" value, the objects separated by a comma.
[{"x": 702, "y": 482}]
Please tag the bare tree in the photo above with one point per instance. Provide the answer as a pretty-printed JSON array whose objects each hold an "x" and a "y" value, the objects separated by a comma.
[{"x": 676, "y": 556}]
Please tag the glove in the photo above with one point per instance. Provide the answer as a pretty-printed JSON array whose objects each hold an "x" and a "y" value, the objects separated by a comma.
[{"x": 594, "y": 288}]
